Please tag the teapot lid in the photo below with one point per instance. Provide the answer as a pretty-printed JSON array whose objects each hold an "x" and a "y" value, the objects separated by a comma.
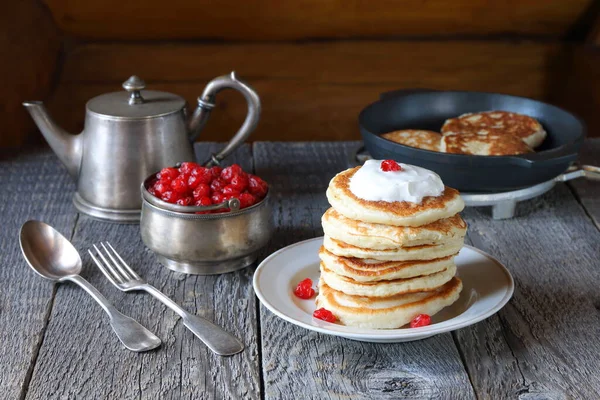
[{"x": 135, "y": 104}]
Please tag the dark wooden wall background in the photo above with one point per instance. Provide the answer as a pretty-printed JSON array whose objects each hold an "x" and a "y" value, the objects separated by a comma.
[{"x": 315, "y": 63}]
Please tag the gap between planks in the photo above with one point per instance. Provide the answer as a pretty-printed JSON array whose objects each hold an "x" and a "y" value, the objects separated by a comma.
[
  {"x": 583, "y": 207},
  {"x": 259, "y": 344}
]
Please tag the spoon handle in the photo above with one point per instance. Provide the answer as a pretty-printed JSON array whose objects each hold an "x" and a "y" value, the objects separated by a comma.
[
  {"x": 216, "y": 338},
  {"x": 130, "y": 332}
]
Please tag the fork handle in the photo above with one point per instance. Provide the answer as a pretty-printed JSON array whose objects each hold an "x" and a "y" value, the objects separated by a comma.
[
  {"x": 131, "y": 333},
  {"x": 216, "y": 338}
]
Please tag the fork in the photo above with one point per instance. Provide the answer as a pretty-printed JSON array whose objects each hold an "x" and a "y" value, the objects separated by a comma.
[{"x": 126, "y": 279}]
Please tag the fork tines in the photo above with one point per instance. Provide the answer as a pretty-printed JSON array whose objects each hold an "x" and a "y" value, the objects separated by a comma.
[{"x": 116, "y": 270}]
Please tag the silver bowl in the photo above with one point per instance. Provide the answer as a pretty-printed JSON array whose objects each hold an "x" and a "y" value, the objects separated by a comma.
[{"x": 204, "y": 244}]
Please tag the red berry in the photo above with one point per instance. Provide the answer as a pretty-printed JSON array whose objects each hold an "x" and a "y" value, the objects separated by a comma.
[
  {"x": 201, "y": 191},
  {"x": 216, "y": 171},
  {"x": 217, "y": 198},
  {"x": 230, "y": 191},
  {"x": 179, "y": 184},
  {"x": 204, "y": 201},
  {"x": 185, "y": 201},
  {"x": 152, "y": 191},
  {"x": 420, "y": 320},
  {"x": 161, "y": 187},
  {"x": 257, "y": 186},
  {"x": 169, "y": 196},
  {"x": 217, "y": 185},
  {"x": 203, "y": 174},
  {"x": 230, "y": 172},
  {"x": 304, "y": 289},
  {"x": 167, "y": 174},
  {"x": 187, "y": 167},
  {"x": 390, "y": 165},
  {"x": 193, "y": 181},
  {"x": 325, "y": 315},
  {"x": 246, "y": 200},
  {"x": 240, "y": 182}
]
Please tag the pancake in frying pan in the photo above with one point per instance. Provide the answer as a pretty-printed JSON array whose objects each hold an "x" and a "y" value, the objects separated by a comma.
[
  {"x": 526, "y": 128},
  {"x": 491, "y": 144},
  {"x": 426, "y": 140}
]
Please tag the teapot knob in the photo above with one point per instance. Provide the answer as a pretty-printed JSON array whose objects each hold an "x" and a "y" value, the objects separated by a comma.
[{"x": 133, "y": 85}]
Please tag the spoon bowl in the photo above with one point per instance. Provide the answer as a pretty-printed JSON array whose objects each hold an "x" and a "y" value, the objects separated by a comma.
[{"x": 48, "y": 252}]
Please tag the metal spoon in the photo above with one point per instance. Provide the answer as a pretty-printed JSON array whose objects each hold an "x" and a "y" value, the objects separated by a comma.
[{"x": 53, "y": 257}]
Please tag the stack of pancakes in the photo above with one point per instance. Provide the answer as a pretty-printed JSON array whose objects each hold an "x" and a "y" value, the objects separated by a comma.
[{"x": 384, "y": 263}]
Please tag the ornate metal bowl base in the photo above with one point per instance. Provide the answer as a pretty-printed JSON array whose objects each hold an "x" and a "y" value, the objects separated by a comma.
[
  {"x": 106, "y": 214},
  {"x": 208, "y": 267}
]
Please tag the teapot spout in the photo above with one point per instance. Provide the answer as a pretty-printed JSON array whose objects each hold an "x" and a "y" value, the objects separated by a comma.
[{"x": 66, "y": 146}]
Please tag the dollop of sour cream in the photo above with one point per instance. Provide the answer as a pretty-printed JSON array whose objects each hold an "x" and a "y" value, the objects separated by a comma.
[{"x": 410, "y": 184}]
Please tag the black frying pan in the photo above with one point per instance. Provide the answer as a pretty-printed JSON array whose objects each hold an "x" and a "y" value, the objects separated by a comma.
[{"x": 426, "y": 109}]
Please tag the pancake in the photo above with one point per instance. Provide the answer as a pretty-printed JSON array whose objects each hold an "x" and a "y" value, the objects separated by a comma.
[
  {"x": 362, "y": 270},
  {"x": 399, "y": 213},
  {"x": 526, "y": 128},
  {"x": 491, "y": 144},
  {"x": 423, "y": 252},
  {"x": 379, "y": 236},
  {"x": 387, "y": 288},
  {"x": 386, "y": 313},
  {"x": 426, "y": 140}
]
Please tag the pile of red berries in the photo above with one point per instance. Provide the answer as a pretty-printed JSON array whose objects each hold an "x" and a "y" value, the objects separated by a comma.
[{"x": 194, "y": 185}]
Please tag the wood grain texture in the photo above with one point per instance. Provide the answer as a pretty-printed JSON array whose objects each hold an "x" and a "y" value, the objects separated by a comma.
[
  {"x": 35, "y": 186},
  {"x": 274, "y": 20},
  {"x": 542, "y": 343},
  {"x": 309, "y": 91},
  {"x": 578, "y": 88},
  {"x": 306, "y": 365},
  {"x": 593, "y": 35},
  {"x": 29, "y": 49},
  {"x": 588, "y": 191},
  {"x": 81, "y": 357}
]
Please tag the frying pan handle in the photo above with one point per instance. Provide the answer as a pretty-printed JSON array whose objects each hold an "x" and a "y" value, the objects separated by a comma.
[
  {"x": 404, "y": 92},
  {"x": 583, "y": 171},
  {"x": 557, "y": 155}
]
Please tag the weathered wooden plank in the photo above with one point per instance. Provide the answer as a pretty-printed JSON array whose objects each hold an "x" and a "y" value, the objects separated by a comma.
[
  {"x": 275, "y": 20},
  {"x": 81, "y": 358},
  {"x": 34, "y": 186},
  {"x": 588, "y": 191},
  {"x": 311, "y": 91},
  {"x": 301, "y": 364},
  {"x": 543, "y": 344}
]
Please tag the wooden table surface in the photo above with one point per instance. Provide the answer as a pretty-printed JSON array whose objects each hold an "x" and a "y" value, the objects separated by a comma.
[{"x": 57, "y": 344}]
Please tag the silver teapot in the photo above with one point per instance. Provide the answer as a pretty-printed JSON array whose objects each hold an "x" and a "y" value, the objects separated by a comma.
[{"x": 130, "y": 134}]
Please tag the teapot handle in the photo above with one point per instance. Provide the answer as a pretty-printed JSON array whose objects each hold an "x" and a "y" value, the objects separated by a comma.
[{"x": 206, "y": 103}]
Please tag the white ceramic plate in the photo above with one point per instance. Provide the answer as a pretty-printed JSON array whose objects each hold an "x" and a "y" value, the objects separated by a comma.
[{"x": 487, "y": 287}]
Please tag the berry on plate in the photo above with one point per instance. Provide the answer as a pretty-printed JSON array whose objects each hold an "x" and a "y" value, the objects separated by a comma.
[
  {"x": 420, "y": 320},
  {"x": 304, "y": 289},
  {"x": 325, "y": 315}
]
